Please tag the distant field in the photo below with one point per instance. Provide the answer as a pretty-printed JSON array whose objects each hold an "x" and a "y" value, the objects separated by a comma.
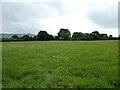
[{"x": 79, "y": 64}]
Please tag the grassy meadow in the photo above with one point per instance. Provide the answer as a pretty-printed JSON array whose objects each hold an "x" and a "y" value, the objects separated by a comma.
[
  {"x": 45, "y": 64},
  {"x": 0, "y": 65}
]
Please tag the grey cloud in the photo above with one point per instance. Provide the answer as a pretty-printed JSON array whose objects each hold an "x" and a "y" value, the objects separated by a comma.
[
  {"x": 23, "y": 11},
  {"x": 24, "y": 17},
  {"x": 60, "y": 7},
  {"x": 105, "y": 17},
  {"x": 13, "y": 27}
]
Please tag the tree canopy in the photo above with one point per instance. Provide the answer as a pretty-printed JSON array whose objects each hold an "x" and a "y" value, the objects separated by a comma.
[
  {"x": 15, "y": 37},
  {"x": 43, "y": 35},
  {"x": 26, "y": 37},
  {"x": 64, "y": 34}
]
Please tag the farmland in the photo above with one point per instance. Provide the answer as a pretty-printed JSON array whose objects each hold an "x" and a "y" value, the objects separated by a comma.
[{"x": 45, "y": 64}]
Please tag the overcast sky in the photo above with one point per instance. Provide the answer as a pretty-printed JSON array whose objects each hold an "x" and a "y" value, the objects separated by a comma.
[{"x": 31, "y": 16}]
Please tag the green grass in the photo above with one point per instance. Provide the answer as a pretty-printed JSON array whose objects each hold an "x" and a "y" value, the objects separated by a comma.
[
  {"x": 0, "y": 65},
  {"x": 79, "y": 64}
]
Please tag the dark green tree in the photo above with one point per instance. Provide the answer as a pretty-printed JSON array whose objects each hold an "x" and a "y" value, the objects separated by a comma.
[
  {"x": 64, "y": 34},
  {"x": 81, "y": 36},
  {"x": 119, "y": 36},
  {"x": 51, "y": 37},
  {"x": 103, "y": 36},
  {"x": 43, "y": 35},
  {"x": 35, "y": 38},
  {"x": 26, "y": 37},
  {"x": 95, "y": 35},
  {"x": 15, "y": 37},
  {"x": 87, "y": 36},
  {"x": 110, "y": 36},
  {"x": 78, "y": 35},
  {"x": 56, "y": 38}
]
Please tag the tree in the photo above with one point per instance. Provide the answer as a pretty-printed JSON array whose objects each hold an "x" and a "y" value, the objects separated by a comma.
[
  {"x": 78, "y": 35},
  {"x": 64, "y": 34},
  {"x": 81, "y": 36},
  {"x": 110, "y": 36},
  {"x": 103, "y": 36},
  {"x": 119, "y": 36},
  {"x": 95, "y": 35},
  {"x": 87, "y": 36},
  {"x": 56, "y": 38},
  {"x": 51, "y": 37},
  {"x": 35, "y": 38},
  {"x": 15, "y": 37},
  {"x": 43, "y": 35},
  {"x": 26, "y": 37}
]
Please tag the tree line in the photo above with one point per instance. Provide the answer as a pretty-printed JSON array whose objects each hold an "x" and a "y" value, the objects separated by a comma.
[{"x": 63, "y": 34}]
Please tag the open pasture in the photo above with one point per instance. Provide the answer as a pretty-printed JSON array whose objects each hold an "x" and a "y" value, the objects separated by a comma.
[{"x": 44, "y": 64}]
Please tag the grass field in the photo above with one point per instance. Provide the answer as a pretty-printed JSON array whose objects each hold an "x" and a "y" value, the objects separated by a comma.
[
  {"x": 79, "y": 64},
  {"x": 0, "y": 65}
]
